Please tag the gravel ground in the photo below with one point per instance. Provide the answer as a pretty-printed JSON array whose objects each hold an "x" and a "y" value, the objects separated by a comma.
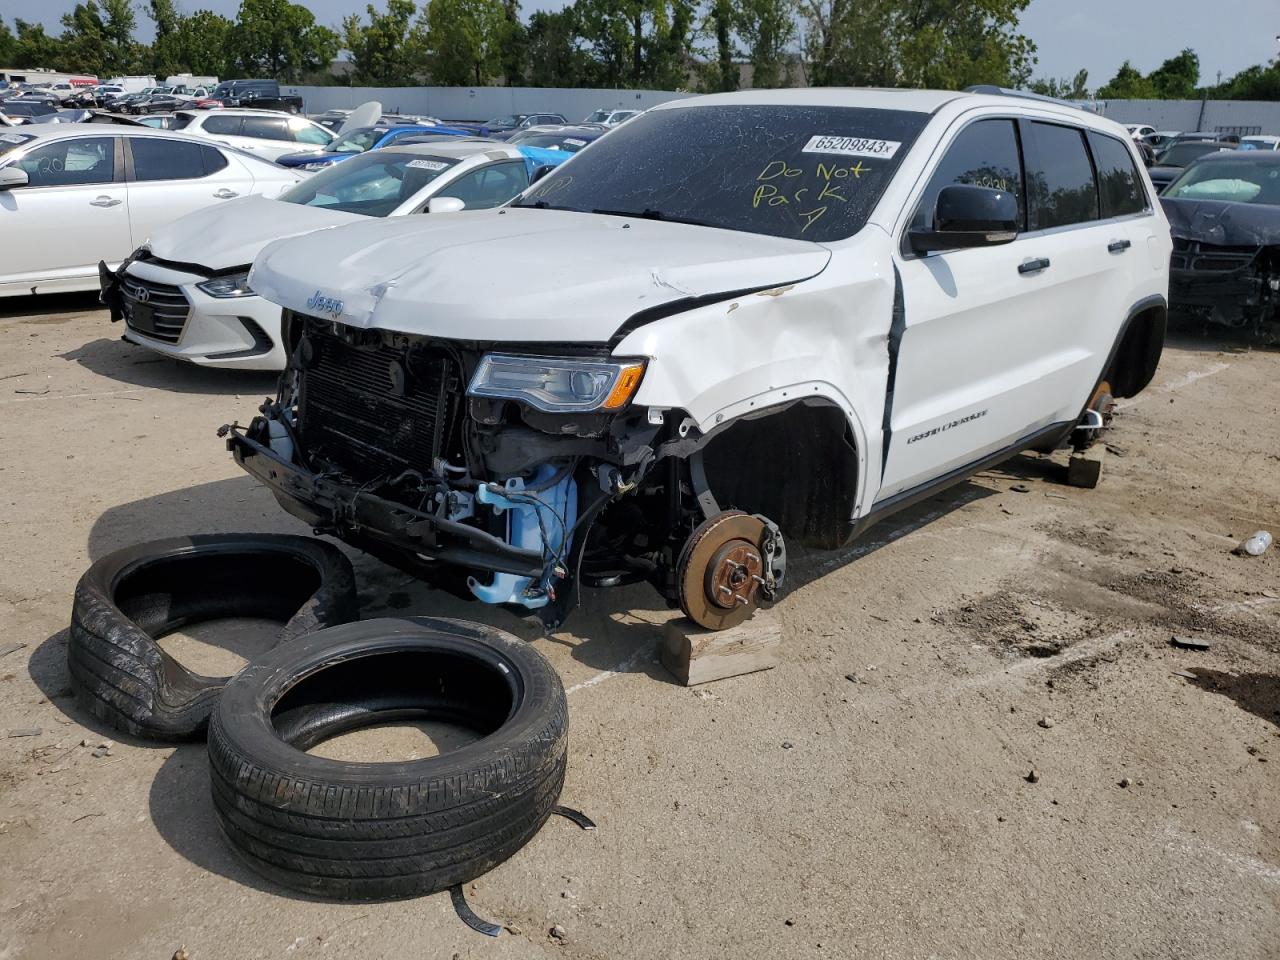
[{"x": 990, "y": 632}]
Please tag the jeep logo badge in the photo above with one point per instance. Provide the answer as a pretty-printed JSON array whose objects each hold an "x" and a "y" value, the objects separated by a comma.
[{"x": 322, "y": 304}]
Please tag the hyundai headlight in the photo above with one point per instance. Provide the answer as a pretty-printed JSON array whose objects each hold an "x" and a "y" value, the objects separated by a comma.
[
  {"x": 558, "y": 384},
  {"x": 232, "y": 285}
]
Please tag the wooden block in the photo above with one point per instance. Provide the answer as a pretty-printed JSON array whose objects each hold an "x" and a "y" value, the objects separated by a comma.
[
  {"x": 1085, "y": 469},
  {"x": 695, "y": 655}
]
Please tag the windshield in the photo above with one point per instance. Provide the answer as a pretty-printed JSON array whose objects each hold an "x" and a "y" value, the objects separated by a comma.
[
  {"x": 373, "y": 184},
  {"x": 553, "y": 141},
  {"x": 1258, "y": 143},
  {"x": 12, "y": 141},
  {"x": 600, "y": 116},
  {"x": 357, "y": 141},
  {"x": 811, "y": 173},
  {"x": 1237, "y": 180},
  {"x": 509, "y": 121},
  {"x": 1181, "y": 154}
]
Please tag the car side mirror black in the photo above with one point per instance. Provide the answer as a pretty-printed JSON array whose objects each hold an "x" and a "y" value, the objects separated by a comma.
[
  {"x": 541, "y": 171},
  {"x": 968, "y": 216}
]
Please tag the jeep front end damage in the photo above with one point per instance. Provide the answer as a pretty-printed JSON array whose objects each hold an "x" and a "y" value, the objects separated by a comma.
[{"x": 502, "y": 475}]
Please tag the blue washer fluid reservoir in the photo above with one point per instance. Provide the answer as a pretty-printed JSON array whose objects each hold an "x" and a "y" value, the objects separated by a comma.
[{"x": 541, "y": 524}]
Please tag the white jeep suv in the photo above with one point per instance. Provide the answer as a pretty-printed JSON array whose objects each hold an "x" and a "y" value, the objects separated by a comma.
[
  {"x": 737, "y": 322},
  {"x": 269, "y": 134}
]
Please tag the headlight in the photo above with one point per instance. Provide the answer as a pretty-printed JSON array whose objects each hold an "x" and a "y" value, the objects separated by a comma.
[
  {"x": 558, "y": 384},
  {"x": 232, "y": 285}
]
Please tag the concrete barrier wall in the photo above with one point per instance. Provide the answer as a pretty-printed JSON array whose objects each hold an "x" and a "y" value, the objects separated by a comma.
[
  {"x": 1195, "y": 115},
  {"x": 481, "y": 103}
]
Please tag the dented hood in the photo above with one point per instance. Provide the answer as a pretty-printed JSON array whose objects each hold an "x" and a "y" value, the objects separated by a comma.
[
  {"x": 518, "y": 274},
  {"x": 1223, "y": 223},
  {"x": 231, "y": 234}
]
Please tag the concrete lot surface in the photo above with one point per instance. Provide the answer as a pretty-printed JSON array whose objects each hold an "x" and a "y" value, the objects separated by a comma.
[{"x": 898, "y": 823}]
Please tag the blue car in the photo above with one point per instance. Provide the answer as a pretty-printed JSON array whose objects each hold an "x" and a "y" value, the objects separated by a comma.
[{"x": 360, "y": 140}]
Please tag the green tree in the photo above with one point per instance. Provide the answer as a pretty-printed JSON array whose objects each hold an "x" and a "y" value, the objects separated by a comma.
[
  {"x": 32, "y": 47},
  {"x": 1178, "y": 77},
  {"x": 464, "y": 41},
  {"x": 8, "y": 43},
  {"x": 83, "y": 43},
  {"x": 722, "y": 74},
  {"x": 638, "y": 43},
  {"x": 767, "y": 27},
  {"x": 1127, "y": 84},
  {"x": 279, "y": 39},
  {"x": 513, "y": 44},
  {"x": 389, "y": 51},
  {"x": 165, "y": 55},
  {"x": 203, "y": 40},
  {"x": 555, "y": 59},
  {"x": 918, "y": 43},
  {"x": 1068, "y": 88},
  {"x": 1253, "y": 83}
]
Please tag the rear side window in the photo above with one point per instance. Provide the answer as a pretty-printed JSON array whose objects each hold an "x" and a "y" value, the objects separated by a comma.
[
  {"x": 1063, "y": 188},
  {"x": 264, "y": 128},
  {"x": 985, "y": 154},
  {"x": 157, "y": 159},
  {"x": 1120, "y": 189},
  {"x": 227, "y": 126}
]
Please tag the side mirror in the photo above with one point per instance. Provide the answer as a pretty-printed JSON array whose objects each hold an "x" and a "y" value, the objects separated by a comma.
[
  {"x": 11, "y": 177},
  {"x": 541, "y": 171},
  {"x": 969, "y": 216},
  {"x": 445, "y": 205}
]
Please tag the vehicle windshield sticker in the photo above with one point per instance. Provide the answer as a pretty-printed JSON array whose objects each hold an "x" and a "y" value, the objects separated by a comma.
[
  {"x": 852, "y": 147},
  {"x": 12, "y": 138},
  {"x": 576, "y": 143},
  {"x": 427, "y": 164}
]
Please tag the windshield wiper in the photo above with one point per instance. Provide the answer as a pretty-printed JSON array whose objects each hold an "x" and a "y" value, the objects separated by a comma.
[
  {"x": 539, "y": 205},
  {"x": 649, "y": 214}
]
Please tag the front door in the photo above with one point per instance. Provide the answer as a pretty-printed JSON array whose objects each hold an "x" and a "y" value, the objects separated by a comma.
[{"x": 73, "y": 212}]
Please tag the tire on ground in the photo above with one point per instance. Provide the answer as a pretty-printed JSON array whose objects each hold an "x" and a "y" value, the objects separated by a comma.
[
  {"x": 381, "y": 831},
  {"x": 130, "y": 598}
]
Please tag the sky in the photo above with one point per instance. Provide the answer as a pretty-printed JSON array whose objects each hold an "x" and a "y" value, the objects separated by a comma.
[{"x": 1098, "y": 35}]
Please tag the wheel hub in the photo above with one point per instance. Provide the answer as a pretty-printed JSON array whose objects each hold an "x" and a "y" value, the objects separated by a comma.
[
  {"x": 733, "y": 576},
  {"x": 729, "y": 565}
]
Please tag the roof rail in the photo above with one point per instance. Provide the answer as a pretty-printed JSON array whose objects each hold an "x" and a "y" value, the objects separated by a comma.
[{"x": 1088, "y": 106}]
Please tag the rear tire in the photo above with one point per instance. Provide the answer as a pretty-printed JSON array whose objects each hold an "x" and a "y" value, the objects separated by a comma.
[{"x": 381, "y": 831}]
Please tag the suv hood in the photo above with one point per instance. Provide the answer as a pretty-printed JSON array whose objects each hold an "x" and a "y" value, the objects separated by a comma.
[
  {"x": 231, "y": 234},
  {"x": 519, "y": 274}
]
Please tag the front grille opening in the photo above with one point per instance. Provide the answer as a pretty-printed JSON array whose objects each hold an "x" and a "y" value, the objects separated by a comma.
[
  {"x": 372, "y": 411},
  {"x": 155, "y": 310}
]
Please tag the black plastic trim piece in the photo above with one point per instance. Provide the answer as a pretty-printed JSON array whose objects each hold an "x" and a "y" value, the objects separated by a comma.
[
  {"x": 897, "y": 327},
  {"x": 900, "y": 501}
]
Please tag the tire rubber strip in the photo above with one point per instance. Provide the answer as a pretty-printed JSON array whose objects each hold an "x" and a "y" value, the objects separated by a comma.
[{"x": 468, "y": 916}]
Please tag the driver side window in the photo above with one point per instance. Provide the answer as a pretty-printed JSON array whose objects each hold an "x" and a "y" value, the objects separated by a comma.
[
  {"x": 82, "y": 160},
  {"x": 985, "y": 154},
  {"x": 489, "y": 186}
]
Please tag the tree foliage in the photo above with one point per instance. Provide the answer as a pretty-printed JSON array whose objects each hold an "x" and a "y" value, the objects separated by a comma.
[
  {"x": 276, "y": 38},
  {"x": 1068, "y": 88},
  {"x": 464, "y": 40},
  {"x": 1253, "y": 83},
  {"x": 768, "y": 30},
  {"x": 947, "y": 44},
  {"x": 390, "y": 50}
]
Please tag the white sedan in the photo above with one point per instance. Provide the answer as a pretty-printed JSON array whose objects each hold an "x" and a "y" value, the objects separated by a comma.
[
  {"x": 74, "y": 194},
  {"x": 186, "y": 293}
]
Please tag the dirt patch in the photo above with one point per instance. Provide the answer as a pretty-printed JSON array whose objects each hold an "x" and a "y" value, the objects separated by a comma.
[
  {"x": 1020, "y": 625},
  {"x": 1186, "y": 601}
]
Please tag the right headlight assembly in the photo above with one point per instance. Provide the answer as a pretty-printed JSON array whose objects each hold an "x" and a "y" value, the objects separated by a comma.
[{"x": 558, "y": 384}]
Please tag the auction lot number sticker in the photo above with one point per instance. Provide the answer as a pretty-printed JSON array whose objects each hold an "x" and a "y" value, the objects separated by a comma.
[{"x": 852, "y": 146}]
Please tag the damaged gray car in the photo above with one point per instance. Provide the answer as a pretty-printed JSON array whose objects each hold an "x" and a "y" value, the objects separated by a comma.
[{"x": 1224, "y": 213}]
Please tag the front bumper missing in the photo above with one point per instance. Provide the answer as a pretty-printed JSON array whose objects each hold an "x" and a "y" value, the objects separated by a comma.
[{"x": 351, "y": 512}]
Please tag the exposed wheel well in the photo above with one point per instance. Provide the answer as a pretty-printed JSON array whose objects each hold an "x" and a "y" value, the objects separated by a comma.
[
  {"x": 798, "y": 466},
  {"x": 1138, "y": 353}
]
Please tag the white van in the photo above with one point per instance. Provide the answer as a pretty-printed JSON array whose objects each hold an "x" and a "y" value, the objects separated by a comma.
[{"x": 736, "y": 322}]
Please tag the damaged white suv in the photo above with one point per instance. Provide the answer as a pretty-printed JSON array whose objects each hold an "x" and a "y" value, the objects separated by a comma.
[{"x": 735, "y": 322}]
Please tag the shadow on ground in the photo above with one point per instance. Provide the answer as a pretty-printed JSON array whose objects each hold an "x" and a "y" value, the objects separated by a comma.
[
  {"x": 51, "y": 307},
  {"x": 127, "y": 363},
  {"x": 1257, "y": 693}
]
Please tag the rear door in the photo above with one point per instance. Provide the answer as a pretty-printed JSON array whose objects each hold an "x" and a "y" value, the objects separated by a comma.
[
  {"x": 170, "y": 178},
  {"x": 72, "y": 213}
]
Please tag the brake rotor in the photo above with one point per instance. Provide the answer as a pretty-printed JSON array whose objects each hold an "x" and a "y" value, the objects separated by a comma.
[
  {"x": 721, "y": 570},
  {"x": 1103, "y": 405}
]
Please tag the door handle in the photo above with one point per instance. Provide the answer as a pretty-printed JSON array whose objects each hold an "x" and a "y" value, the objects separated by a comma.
[
  {"x": 1118, "y": 246},
  {"x": 225, "y": 194},
  {"x": 105, "y": 202},
  {"x": 1034, "y": 266}
]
